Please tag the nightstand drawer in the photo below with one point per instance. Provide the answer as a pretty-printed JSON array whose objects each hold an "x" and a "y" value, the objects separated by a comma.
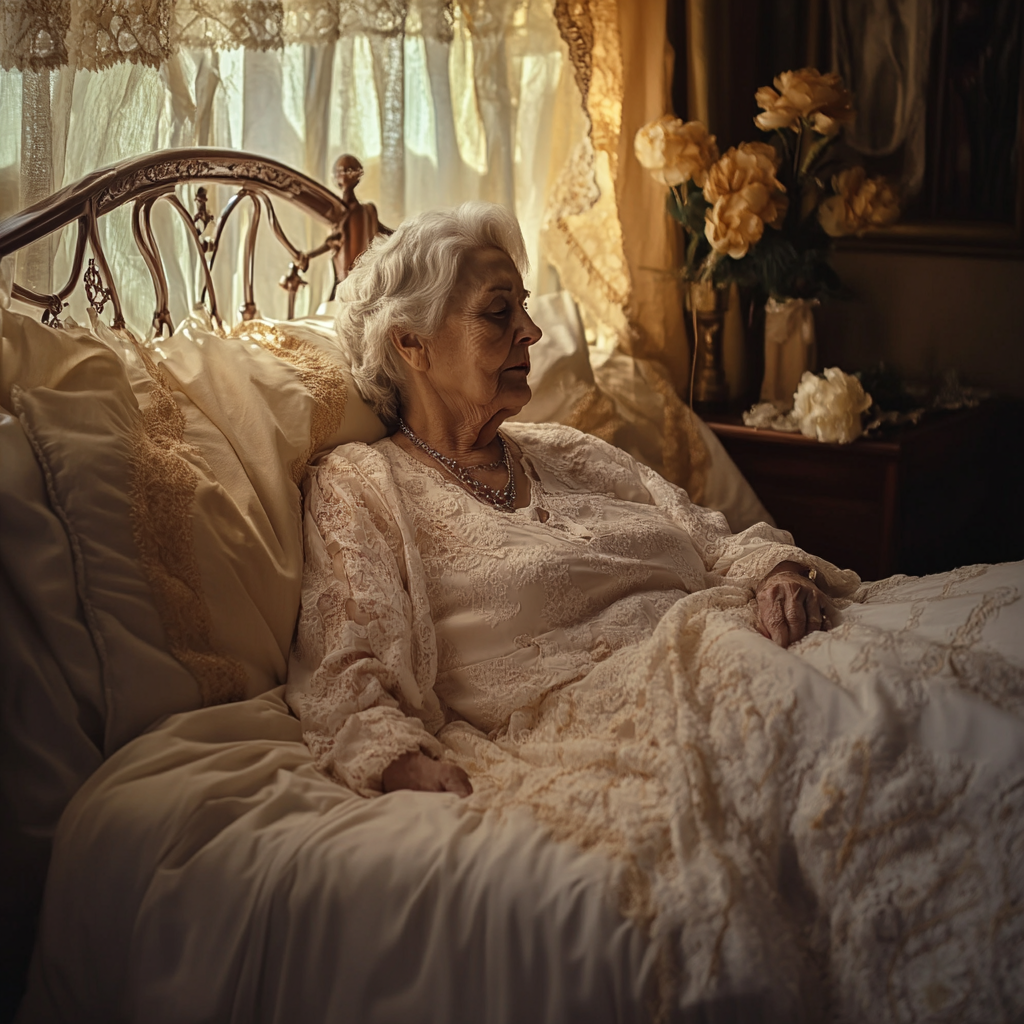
[{"x": 931, "y": 497}]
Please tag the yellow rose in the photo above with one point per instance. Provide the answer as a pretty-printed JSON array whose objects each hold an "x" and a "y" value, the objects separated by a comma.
[
  {"x": 860, "y": 203},
  {"x": 808, "y": 94},
  {"x": 675, "y": 152},
  {"x": 744, "y": 195}
]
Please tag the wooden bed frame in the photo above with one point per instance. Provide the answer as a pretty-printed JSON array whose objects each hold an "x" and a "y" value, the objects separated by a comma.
[{"x": 145, "y": 180}]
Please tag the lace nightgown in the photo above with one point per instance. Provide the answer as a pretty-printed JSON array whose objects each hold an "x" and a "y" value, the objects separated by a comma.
[
  {"x": 832, "y": 831},
  {"x": 422, "y": 605}
]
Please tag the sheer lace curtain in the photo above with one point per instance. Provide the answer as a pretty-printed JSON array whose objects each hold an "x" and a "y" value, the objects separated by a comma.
[
  {"x": 530, "y": 103},
  {"x": 440, "y": 105}
]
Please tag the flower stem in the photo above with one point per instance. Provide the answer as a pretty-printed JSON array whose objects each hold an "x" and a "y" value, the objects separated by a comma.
[
  {"x": 785, "y": 142},
  {"x": 814, "y": 151}
]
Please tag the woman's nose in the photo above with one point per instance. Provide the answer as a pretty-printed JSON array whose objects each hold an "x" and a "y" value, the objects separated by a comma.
[{"x": 531, "y": 332}]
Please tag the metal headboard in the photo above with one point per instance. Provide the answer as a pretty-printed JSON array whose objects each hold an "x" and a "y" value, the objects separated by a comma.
[{"x": 144, "y": 181}]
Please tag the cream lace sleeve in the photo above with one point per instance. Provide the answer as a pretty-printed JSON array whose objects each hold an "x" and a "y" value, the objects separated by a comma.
[{"x": 363, "y": 665}]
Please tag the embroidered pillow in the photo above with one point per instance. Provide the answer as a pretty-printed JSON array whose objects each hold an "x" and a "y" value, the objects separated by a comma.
[
  {"x": 151, "y": 550},
  {"x": 174, "y": 471}
]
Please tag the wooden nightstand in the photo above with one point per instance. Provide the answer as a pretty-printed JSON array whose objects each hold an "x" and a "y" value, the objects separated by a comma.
[{"x": 947, "y": 492}]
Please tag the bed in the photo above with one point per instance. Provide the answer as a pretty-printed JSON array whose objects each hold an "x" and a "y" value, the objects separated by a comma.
[{"x": 198, "y": 868}]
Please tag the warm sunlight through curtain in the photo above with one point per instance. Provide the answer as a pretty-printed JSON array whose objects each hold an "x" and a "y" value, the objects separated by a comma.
[
  {"x": 529, "y": 103},
  {"x": 607, "y": 233},
  {"x": 456, "y": 106},
  {"x": 607, "y": 228}
]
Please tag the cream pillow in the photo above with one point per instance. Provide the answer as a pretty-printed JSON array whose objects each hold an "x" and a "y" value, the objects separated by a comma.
[
  {"x": 150, "y": 542},
  {"x": 71, "y": 395},
  {"x": 52, "y": 705},
  {"x": 174, "y": 470},
  {"x": 360, "y": 422},
  {"x": 630, "y": 403}
]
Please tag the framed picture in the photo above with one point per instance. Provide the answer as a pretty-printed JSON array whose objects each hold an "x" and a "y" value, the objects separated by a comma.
[{"x": 940, "y": 101}]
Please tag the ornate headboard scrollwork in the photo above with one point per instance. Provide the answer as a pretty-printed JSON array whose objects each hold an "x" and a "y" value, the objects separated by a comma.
[{"x": 146, "y": 180}]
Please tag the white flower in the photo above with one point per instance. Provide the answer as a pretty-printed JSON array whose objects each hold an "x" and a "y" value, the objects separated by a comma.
[{"x": 829, "y": 407}]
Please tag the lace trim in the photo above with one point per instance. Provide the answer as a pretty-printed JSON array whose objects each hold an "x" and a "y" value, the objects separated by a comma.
[
  {"x": 320, "y": 375},
  {"x": 162, "y": 488},
  {"x": 576, "y": 27},
  {"x": 583, "y": 219},
  {"x": 32, "y": 35},
  {"x": 96, "y": 34},
  {"x": 111, "y": 31},
  {"x": 591, "y": 30}
]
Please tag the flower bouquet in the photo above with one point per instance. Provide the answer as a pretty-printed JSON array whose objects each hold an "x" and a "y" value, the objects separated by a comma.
[{"x": 764, "y": 214}]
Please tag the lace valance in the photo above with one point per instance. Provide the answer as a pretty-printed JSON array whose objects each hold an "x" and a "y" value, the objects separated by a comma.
[{"x": 96, "y": 34}]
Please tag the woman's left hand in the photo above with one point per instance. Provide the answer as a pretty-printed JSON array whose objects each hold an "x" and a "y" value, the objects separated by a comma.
[{"x": 789, "y": 605}]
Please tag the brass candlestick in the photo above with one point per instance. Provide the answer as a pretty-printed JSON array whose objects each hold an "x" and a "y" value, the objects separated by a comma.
[{"x": 707, "y": 306}]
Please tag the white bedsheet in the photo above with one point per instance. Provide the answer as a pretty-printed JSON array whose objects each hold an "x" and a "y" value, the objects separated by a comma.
[{"x": 207, "y": 873}]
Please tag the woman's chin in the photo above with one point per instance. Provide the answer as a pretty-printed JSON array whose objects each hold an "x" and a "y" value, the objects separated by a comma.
[{"x": 516, "y": 397}]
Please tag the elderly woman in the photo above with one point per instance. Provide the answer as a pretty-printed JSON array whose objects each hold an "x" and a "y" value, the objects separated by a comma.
[
  {"x": 462, "y": 568},
  {"x": 524, "y": 616}
]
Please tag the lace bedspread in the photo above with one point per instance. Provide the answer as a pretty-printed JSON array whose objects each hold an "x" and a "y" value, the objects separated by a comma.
[{"x": 807, "y": 830}]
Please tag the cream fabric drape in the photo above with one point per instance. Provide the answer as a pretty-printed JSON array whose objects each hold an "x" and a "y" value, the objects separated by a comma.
[
  {"x": 606, "y": 228},
  {"x": 607, "y": 233},
  {"x": 882, "y": 50}
]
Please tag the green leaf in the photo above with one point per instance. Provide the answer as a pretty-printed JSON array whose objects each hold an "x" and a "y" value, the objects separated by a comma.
[
  {"x": 692, "y": 259},
  {"x": 675, "y": 210}
]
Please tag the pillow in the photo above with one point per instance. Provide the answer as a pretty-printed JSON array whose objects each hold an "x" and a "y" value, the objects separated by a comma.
[
  {"x": 81, "y": 417},
  {"x": 174, "y": 471},
  {"x": 51, "y": 699},
  {"x": 360, "y": 422},
  {"x": 631, "y": 403},
  {"x": 151, "y": 547}
]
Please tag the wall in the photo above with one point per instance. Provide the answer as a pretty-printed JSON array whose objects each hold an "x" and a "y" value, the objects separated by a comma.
[{"x": 925, "y": 314}]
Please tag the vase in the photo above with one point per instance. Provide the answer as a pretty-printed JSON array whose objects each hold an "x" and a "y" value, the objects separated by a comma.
[
  {"x": 706, "y": 307},
  {"x": 789, "y": 348}
]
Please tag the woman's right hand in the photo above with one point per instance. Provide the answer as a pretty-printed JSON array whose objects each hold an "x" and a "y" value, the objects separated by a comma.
[
  {"x": 789, "y": 605},
  {"x": 417, "y": 771}
]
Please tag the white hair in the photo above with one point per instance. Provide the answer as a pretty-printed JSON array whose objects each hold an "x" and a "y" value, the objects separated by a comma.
[{"x": 401, "y": 285}]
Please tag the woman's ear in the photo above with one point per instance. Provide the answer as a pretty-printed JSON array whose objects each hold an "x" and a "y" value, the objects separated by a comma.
[{"x": 412, "y": 349}]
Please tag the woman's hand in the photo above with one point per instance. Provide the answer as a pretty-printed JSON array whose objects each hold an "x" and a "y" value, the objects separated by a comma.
[
  {"x": 417, "y": 771},
  {"x": 789, "y": 605}
]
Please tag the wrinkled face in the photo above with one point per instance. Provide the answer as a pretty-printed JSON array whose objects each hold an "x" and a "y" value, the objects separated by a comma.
[{"x": 480, "y": 357}]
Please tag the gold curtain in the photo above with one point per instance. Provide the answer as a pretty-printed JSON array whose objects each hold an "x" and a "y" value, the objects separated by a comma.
[
  {"x": 608, "y": 235},
  {"x": 608, "y": 232}
]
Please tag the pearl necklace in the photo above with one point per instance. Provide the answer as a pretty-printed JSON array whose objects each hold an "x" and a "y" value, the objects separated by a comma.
[{"x": 504, "y": 499}]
